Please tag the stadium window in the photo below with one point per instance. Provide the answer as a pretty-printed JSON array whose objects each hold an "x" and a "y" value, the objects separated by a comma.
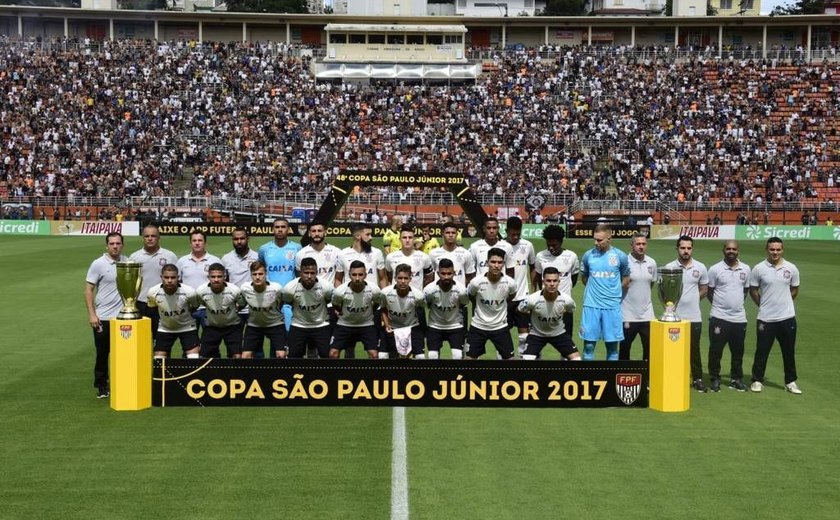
[
  {"x": 746, "y": 5},
  {"x": 618, "y": 2},
  {"x": 357, "y": 38},
  {"x": 396, "y": 39},
  {"x": 338, "y": 38},
  {"x": 376, "y": 38},
  {"x": 452, "y": 38},
  {"x": 434, "y": 39},
  {"x": 414, "y": 39},
  {"x": 462, "y": 3},
  {"x": 726, "y": 4}
]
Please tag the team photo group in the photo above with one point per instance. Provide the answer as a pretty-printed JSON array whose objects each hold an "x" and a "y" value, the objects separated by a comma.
[{"x": 416, "y": 294}]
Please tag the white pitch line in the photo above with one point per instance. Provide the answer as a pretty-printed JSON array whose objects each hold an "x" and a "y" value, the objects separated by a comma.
[{"x": 399, "y": 467}]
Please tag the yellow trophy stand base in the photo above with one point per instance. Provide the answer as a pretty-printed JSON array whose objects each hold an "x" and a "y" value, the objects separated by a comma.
[
  {"x": 131, "y": 364},
  {"x": 669, "y": 365}
]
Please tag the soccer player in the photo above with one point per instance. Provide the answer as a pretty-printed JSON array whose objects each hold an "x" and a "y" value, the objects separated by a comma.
[
  {"x": 238, "y": 261},
  {"x": 400, "y": 305},
  {"x": 637, "y": 307},
  {"x": 462, "y": 261},
  {"x": 279, "y": 258},
  {"x": 308, "y": 295},
  {"x": 491, "y": 292},
  {"x": 363, "y": 251},
  {"x": 175, "y": 302},
  {"x": 194, "y": 267},
  {"x": 221, "y": 299},
  {"x": 774, "y": 284},
  {"x": 522, "y": 258},
  {"x": 355, "y": 301},
  {"x": 420, "y": 263},
  {"x": 480, "y": 248},
  {"x": 729, "y": 281},
  {"x": 265, "y": 318},
  {"x": 546, "y": 308},
  {"x": 103, "y": 303},
  {"x": 326, "y": 255},
  {"x": 566, "y": 262},
  {"x": 605, "y": 273},
  {"x": 695, "y": 288},
  {"x": 446, "y": 299},
  {"x": 152, "y": 257}
]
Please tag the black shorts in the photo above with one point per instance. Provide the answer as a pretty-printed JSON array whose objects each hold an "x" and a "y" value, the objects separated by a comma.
[
  {"x": 212, "y": 338},
  {"x": 436, "y": 337},
  {"x": 166, "y": 340},
  {"x": 301, "y": 339},
  {"x": 477, "y": 339},
  {"x": 417, "y": 346},
  {"x": 517, "y": 319},
  {"x": 563, "y": 343},
  {"x": 254, "y": 337},
  {"x": 346, "y": 337}
]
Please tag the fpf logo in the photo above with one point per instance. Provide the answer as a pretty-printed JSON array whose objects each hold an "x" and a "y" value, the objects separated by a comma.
[{"x": 628, "y": 387}]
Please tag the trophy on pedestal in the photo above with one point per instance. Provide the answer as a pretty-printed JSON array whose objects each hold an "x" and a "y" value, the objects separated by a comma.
[
  {"x": 670, "y": 291},
  {"x": 129, "y": 282}
]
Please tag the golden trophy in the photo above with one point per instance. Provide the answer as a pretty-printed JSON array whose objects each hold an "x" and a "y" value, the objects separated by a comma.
[{"x": 129, "y": 281}]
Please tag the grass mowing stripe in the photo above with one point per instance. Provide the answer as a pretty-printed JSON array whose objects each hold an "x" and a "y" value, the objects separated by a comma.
[{"x": 399, "y": 467}]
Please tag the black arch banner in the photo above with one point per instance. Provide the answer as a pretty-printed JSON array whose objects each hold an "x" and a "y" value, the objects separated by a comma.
[{"x": 454, "y": 182}]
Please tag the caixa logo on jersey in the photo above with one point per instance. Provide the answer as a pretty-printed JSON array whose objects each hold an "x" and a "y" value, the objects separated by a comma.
[{"x": 628, "y": 387}]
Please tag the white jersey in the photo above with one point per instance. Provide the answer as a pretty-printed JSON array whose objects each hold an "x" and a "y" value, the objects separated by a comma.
[
  {"x": 309, "y": 306},
  {"x": 239, "y": 267},
  {"x": 491, "y": 301},
  {"x": 479, "y": 250},
  {"x": 193, "y": 271},
  {"x": 462, "y": 260},
  {"x": 566, "y": 262},
  {"x": 445, "y": 306},
  {"x": 151, "y": 264},
  {"x": 637, "y": 305},
  {"x": 695, "y": 274},
  {"x": 374, "y": 261},
  {"x": 774, "y": 282},
  {"x": 221, "y": 307},
  {"x": 175, "y": 309},
  {"x": 264, "y": 307},
  {"x": 418, "y": 260},
  {"x": 546, "y": 316},
  {"x": 356, "y": 307},
  {"x": 729, "y": 284},
  {"x": 523, "y": 257},
  {"x": 102, "y": 274},
  {"x": 326, "y": 258},
  {"x": 402, "y": 310}
]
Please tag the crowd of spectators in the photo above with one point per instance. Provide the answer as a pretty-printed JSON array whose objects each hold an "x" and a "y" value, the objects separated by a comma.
[{"x": 128, "y": 117}]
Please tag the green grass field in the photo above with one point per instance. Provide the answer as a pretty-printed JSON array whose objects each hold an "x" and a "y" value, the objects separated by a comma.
[{"x": 66, "y": 455}]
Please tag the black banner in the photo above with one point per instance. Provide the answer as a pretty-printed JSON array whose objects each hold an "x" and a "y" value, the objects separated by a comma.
[
  {"x": 255, "y": 229},
  {"x": 588, "y": 230},
  {"x": 397, "y": 178},
  {"x": 448, "y": 383}
]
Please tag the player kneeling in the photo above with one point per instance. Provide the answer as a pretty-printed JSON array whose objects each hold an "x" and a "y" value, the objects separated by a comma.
[
  {"x": 223, "y": 322},
  {"x": 445, "y": 299},
  {"x": 400, "y": 303},
  {"x": 547, "y": 308},
  {"x": 310, "y": 322},
  {"x": 175, "y": 303}
]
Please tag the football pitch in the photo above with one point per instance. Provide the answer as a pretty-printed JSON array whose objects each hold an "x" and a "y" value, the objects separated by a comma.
[{"x": 66, "y": 455}]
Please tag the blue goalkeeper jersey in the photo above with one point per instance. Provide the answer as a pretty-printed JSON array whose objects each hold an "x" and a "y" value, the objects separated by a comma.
[
  {"x": 604, "y": 272},
  {"x": 279, "y": 261}
]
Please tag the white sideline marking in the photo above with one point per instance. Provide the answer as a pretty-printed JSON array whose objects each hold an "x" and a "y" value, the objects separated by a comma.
[{"x": 399, "y": 467}]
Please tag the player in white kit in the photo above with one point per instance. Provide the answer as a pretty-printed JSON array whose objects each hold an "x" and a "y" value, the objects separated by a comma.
[
  {"x": 546, "y": 309},
  {"x": 400, "y": 305},
  {"x": 491, "y": 292},
  {"x": 220, "y": 298},
  {"x": 446, "y": 299},
  {"x": 308, "y": 296},
  {"x": 175, "y": 301}
]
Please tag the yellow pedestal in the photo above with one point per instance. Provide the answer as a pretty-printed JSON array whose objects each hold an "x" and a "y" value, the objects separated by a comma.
[
  {"x": 669, "y": 366},
  {"x": 131, "y": 364}
]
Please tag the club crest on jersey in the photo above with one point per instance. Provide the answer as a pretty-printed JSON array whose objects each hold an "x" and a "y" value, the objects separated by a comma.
[
  {"x": 674, "y": 334},
  {"x": 628, "y": 387},
  {"x": 743, "y": 277},
  {"x": 290, "y": 255},
  {"x": 695, "y": 273},
  {"x": 125, "y": 331},
  {"x": 650, "y": 270}
]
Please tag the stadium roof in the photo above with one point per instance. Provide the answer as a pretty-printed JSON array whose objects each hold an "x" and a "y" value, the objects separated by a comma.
[{"x": 371, "y": 27}]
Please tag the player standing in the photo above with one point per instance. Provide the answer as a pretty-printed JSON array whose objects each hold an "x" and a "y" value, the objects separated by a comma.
[
  {"x": 446, "y": 299},
  {"x": 278, "y": 256},
  {"x": 491, "y": 292},
  {"x": 194, "y": 267},
  {"x": 152, "y": 257},
  {"x": 522, "y": 258},
  {"x": 265, "y": 317},
  {"x": 637, "y": 307},
  {"x": 355, "y": 302},
  {"x": 546, "y": 308},
  {"x": 480, "y": 248},
  {"x": 176, "y": 303},
  {"x": 308, "y": 295},
  {"x": 564, "y": 260},
  {"x": 401, "y": 303},
  {"x": 220, "y": 299}
]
